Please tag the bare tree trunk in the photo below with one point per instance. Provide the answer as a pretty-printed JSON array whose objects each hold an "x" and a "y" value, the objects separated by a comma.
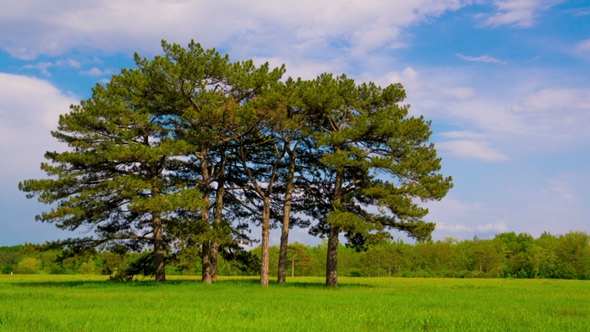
[
  {"x": 282, "y": 276},
  {"x": 265, "y": 242},
  {"x": 333, "y": 241},
  {"x": 159, "y": 248},
  {"x": 206, "y": 262},
  {"x": 332, "y": 259},
  {"x": 213, "y": 255},
  {"x": 206, "y": 273}
]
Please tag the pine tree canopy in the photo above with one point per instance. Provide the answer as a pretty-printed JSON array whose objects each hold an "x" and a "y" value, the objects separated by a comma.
[{"x": 191, "y": 149}]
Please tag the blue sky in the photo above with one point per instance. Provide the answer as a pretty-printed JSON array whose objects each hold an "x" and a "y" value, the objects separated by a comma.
[{"x": 506, "y": 84}]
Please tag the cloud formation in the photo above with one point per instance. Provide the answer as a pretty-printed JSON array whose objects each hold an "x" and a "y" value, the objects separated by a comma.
[
  {"x": 29, "y": 110},
  {"x": 483, "y": 58},
  {"x": 272, "y": 27},
  {"x": 467, "y": 149},
  {"x": 96, "y": 72},
  {"x": 45, "y": 65},
  {"x": 518, "y": 13},
  {"x": 512, "y": 119}
]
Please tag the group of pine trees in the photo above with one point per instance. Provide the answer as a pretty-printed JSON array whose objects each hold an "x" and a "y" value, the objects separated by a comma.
[{"x": 191, "y": 150}]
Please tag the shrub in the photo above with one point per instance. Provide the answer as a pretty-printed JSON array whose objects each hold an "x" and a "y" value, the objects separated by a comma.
[
  {"x": 28, "y": 266},
  {"x": 88, "y": 268}
]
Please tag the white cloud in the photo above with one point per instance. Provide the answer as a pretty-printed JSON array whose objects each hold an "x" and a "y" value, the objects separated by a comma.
[
  {"x": 460, "y": 93},
  {"x": 518, "y": 203},
  {"x": 43, "y": 66},
  {"x": 583, "y": 47},
  {"x": 584, "y": 11},
  {"x": 68, "y": 63},
  {"x": 510, "y": 111},
  {"x": 555, "y": 99},
  {"x": 518, "y": 13},
  {"x": 559, "y": 189},
  {"x": 306, "y": 69},
  {"x": 96, "y": 72},
  {"x": 29, "y": 110},
  {"x": 497, "y": 227},
  {"x": 483, "y": 58},
  {"x": 453, "y": 228},
  {"x": 562, "y": 114},
  {"x": 270, "y": 27},
  {"x": 470, "y": 135},
  {"x": 461, "y": 218},
  {"x": 409, "y": 77},
  {"x": 373, "y": 36},
  {"x": 467, "y": 149}
]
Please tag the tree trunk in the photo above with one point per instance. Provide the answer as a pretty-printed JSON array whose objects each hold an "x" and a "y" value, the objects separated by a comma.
[
  {"x": 214, "y": 250},
  {"x": 265, "y": 242},
  {"x": 282, "y": 276},
  {"x": 159, "y": 248},
  {"x": 213, "y": 255},
  {"x": 206, "y": 262},
  {"x": 332, "y": 259},
  {"x": 333, "y": 241},
  {"x": 206, "y": 272}
]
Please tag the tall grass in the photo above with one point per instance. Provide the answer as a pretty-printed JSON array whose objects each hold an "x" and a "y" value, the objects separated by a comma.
[{"x": 88, "y": 303}]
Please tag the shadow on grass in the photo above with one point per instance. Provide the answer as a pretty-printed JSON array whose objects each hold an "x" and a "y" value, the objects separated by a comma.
[
  {"x": 82, "y": 283},
  {"x": 250, "y": 282},
  {"x": 293, "y": 284}
]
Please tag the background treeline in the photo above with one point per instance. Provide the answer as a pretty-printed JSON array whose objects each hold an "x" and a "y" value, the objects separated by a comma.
[{"x": 507, "y": 255}]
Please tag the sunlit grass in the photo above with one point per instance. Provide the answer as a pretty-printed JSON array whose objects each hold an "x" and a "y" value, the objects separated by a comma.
[{"x": 89, "y": 303}]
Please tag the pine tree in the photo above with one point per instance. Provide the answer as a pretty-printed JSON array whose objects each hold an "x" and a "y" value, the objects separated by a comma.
[
  {"x": 113, "y": 179},
  {"x": 375, "y": 160}
]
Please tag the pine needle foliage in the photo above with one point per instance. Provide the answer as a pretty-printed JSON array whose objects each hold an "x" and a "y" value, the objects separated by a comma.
[{"x": 190, "y": 149}]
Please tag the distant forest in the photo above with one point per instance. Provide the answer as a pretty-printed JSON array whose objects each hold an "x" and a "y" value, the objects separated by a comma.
[{"x": 507, "y": 255}]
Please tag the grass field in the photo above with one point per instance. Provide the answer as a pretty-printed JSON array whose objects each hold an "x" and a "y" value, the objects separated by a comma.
[{"x": 89, "y": 303}]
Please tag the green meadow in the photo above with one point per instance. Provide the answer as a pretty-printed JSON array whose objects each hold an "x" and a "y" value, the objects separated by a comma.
[{"x": 89, "y": 303}]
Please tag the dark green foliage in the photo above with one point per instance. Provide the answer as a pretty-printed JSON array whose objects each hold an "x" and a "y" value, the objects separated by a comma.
[
  {"x": 373, "y": 163},
  {"x": 140, "y": 265},
  {"x": 187, "y": 148},
  {"x": 548, "y": 256},
  {"x": 244, "y": 260},
  {"x": 543, "y": 257},
  {"x": 9, "y": 257}
]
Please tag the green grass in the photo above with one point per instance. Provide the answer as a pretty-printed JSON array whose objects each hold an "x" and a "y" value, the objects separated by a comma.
[{"x": 83, "y": 303}]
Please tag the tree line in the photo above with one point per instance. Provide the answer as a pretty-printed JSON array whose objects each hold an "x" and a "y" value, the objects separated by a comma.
[
  {"x": 507, "y": 255},
  {"x": 193, "y": 151}
]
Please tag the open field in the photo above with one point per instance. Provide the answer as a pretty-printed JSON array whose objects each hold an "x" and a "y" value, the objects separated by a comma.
[{"x": 89, "y": 303}]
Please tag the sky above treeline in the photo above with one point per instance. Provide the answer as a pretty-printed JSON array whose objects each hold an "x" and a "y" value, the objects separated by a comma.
[{"x": 506, "y": 84}]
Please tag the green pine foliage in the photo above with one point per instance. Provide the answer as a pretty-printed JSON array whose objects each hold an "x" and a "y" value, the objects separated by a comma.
[
  {"x": 114, "y": 177},
  {"x": 191, "y": 149}
]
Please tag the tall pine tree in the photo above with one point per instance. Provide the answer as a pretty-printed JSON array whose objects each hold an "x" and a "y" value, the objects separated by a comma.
[
  {"x": 375, "y": 161},
  {"x": 114, "y": 177}
]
